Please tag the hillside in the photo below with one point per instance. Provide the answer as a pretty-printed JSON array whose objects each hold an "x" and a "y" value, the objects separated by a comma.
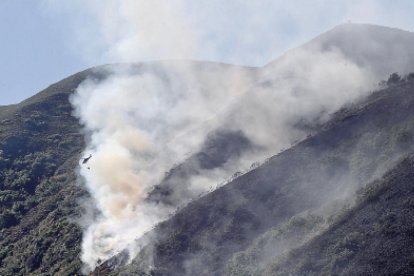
[
  {"x": 40, "y": 142},
  {"x": 41, "y": 200},
  {"x": 317, "y": 176},
  {"x": 336, "y": 202},
  {"x": 373, "y": 238}
]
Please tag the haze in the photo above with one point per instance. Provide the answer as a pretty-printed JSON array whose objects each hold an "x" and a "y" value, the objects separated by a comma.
[{"x": 47, "y": 40}]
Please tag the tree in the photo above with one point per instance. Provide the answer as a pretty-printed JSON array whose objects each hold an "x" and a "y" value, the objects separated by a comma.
[
  {"x": 7, "y": 220},
  {"x": 393, "y": 79}
]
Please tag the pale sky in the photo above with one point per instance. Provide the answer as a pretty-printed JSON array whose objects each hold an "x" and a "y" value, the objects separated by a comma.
[{"x": 46, "y": 40}]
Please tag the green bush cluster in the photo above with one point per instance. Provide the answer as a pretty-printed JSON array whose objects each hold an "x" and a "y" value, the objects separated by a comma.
[
  {"x": 19, "y": 178},
  {"x": 36, "y": 122},
  {"x": 39, "y": 145}
]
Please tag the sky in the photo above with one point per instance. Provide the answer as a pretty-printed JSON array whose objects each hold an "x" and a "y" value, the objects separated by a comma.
[{"x": 45, "y": 41}]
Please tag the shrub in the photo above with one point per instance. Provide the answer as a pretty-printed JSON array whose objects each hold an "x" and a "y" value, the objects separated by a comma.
[
  {"x": 394, "y": 79},
  {"x": 7, "y": 220}
]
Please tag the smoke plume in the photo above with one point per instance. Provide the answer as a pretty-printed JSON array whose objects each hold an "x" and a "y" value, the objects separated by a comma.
[
  {"x": 144, "y": 119},
  {"x": 143, "y": 122}
]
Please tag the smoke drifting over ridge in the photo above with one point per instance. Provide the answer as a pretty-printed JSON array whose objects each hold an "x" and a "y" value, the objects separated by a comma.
[
  {"x": 143, "y": 123},
  {"x": 145, "y": 119}
]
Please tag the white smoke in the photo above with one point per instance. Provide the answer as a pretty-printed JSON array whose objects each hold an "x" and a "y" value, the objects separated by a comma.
[
  {"x": 141, "y": 125},
  {"x": 144, "y": 119}
]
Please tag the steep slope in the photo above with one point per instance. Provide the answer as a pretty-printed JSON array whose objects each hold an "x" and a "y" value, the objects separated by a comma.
[
  {"x": 40, "y": 202},
  {"x": 374, "y": 238},
  {"x": 323, "y": 171},
  {"x": 40, "y": 197},
  {"x": 379, "y": 50},
  {"x": 40, "y": 143}
]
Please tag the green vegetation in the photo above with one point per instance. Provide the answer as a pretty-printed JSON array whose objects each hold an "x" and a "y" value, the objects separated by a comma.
[{"x": 39, "y": 149}]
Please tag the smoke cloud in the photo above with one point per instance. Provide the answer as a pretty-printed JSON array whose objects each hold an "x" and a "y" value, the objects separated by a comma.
[
  {"x": 144, "y": 119},
  {"x": 143, "y": 122}
]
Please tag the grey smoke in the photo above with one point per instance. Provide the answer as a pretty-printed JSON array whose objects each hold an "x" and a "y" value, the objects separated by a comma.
[
  {"x": 145, "y": 119},
  {"x": 143, "y": 123}
]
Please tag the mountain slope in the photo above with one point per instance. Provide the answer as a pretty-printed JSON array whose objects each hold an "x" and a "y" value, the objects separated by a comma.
[
  {"x": 306, "y": 185},
  {"x": 41, "y": 200},
  {"x": 373, "y": 238},
  {"x": 324, "y": 170},
  {"x": 40, "y": 143}
]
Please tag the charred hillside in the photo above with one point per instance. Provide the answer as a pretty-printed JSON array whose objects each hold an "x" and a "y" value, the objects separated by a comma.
[
  {"x": 337, "y": 202},
  {"x": 314, "y": 179},
  {"x": 373, "y": 238}
]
